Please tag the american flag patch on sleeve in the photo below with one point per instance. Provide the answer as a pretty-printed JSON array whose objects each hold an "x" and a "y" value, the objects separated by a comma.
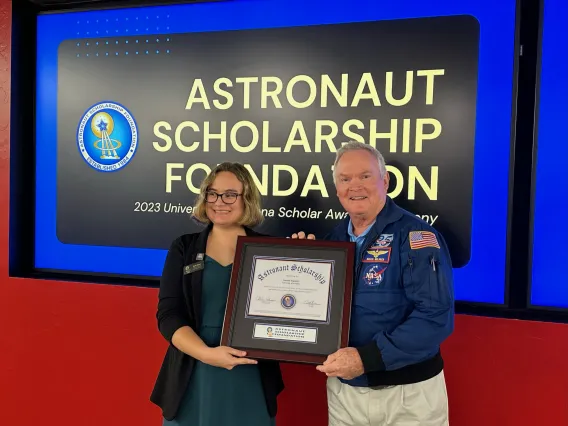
[{"x": 422, "y": 239}]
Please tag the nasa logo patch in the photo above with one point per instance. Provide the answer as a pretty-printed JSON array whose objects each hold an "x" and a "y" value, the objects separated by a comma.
[{"x": 374, "y": 275}]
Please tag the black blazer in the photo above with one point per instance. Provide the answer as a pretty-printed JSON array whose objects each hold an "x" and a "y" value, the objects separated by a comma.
[{"x": 180, "y": 305}]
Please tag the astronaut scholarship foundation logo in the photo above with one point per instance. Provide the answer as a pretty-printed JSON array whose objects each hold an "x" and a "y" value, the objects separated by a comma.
[
  {"x": 288, "y": 301},
  {"x": 107, "y": 136}
]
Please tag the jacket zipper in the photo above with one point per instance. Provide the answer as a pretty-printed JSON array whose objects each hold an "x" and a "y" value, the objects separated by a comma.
[{"x": 365, "y": 248}]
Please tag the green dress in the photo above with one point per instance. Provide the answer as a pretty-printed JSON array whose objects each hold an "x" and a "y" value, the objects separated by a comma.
[{"x": 217, "y": 396}]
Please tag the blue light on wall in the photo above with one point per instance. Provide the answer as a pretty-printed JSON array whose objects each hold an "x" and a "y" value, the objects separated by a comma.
[{"x": 549, "y": 276}]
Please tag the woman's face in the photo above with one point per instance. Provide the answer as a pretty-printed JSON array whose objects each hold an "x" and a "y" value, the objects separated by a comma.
[{"x": 227, "y": 209}]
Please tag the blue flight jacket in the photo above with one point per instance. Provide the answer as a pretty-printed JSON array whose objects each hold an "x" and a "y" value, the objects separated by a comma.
[{"x": 403, "y": 298}]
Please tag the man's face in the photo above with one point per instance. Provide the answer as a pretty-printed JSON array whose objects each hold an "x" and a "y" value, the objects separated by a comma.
[{"x": 360, "y": 188}]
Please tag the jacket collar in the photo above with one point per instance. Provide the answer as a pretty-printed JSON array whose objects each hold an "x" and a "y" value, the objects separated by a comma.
[
  {"x": 390, "y": 213},
  {"x": 201, "y": 243}
]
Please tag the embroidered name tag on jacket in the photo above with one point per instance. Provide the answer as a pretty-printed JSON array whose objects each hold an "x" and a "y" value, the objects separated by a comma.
[
  {"x": 422, "y": 239},
  {"x": 377, "y": 255},
  {"x": 197, "y": 266}
]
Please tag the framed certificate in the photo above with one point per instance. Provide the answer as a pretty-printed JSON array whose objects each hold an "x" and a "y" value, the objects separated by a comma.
[{"x": 289, "y": 299}]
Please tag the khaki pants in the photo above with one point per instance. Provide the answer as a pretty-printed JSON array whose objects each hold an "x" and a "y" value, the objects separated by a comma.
[{"x": 418, "y": 404}]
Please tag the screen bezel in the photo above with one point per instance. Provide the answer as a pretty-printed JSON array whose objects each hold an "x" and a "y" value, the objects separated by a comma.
[{"x": 122, "y": 279}]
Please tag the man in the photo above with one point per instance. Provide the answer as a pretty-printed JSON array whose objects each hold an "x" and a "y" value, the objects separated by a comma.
[{"x": 403, "y": 305}]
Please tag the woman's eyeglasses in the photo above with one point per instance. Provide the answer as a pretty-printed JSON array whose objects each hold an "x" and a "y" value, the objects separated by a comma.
[{"x": 226, "y": 197}]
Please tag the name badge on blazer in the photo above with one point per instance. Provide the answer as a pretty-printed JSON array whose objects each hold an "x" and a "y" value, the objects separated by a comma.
[{"x": 197, "y": 266}]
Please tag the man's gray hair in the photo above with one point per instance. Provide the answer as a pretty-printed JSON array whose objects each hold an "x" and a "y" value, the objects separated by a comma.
[{"x": 356, "y": 146}]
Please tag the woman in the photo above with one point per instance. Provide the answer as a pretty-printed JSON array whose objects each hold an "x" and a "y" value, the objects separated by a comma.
[{"x": 201, "y": 383}]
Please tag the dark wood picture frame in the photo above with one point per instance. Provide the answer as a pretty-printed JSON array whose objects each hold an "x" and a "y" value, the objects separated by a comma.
[{"x": 240, "y": 278}]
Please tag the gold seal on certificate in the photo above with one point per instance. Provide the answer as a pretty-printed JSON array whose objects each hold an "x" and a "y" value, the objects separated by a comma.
[{"x": 289, "y": 299}]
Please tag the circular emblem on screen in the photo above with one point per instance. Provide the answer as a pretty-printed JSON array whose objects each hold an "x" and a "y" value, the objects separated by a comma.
[
  {"x": 288, "y": 301},
  {"x": 107, "y": 137}
]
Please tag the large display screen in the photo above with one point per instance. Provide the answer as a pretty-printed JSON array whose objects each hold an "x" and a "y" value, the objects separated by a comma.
[
  {"x": 549, "y": 279},
  {"x": 135, "y": 106}
]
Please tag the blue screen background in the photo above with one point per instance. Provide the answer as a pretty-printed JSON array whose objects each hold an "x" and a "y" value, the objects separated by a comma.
[
  {"x": 481, "y": 280},
  {"x": 549, "y": 285}
]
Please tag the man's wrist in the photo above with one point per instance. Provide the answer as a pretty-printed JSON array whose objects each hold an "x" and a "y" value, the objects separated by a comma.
[{"x": 371, "y": 357}]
